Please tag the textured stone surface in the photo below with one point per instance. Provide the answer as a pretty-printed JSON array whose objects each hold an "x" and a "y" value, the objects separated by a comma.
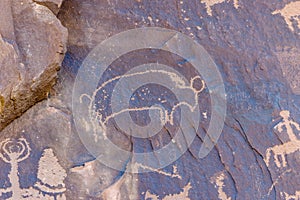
[
  {"x": 255, "y": 45},
  {"x": 53, "y": 5},
  {"x": 33, "y": 43}
]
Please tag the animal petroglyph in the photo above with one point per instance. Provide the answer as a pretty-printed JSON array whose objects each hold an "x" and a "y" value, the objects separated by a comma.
[
  {"x": 219, "y": 180},
  {"x": 290, "y": 13},
  {"x": 296, "y": 196},
  {"x": 280, "y": 151},
  {"x": 51, "y": 175},
  {"x": 165, "y": 116},
  {"x": 210, "y": 3},
  {"x": 184, "y": 195}
]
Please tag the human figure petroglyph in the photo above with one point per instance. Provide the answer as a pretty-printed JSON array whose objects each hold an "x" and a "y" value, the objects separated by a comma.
[
  {"x": 280, "y": 151},
  {"x": 165, "y": 116},
  {"x": 14, "y": 152},
  {"x": 50, "y": 174},
  {"x": 288, "y": 124},
  {"x": 290, "y": 12}
]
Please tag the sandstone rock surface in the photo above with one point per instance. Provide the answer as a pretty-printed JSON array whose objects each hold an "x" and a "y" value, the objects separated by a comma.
[
  {"x": 255, "y": 46},
  {"x": 33, "y": 43}
]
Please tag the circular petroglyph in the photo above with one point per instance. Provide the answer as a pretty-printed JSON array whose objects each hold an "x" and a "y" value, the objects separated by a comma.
[{"x": 102, "y": 95}]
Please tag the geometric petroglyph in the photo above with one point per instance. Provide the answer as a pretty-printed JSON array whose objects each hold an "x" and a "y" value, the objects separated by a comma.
[
  {"x": 292, "y": 146},
  {"x": 51, "y": 175},
  {"x": 184, "y": 194},
  {"x": 291, "y": 12},
  {"x": 210, "y": 3},
  {"x": 219, "y": 180}
]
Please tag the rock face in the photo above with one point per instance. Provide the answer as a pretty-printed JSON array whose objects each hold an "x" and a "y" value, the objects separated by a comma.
[
  {"x": 33, "y": 43},
  {"x": 255, "y": 46}
]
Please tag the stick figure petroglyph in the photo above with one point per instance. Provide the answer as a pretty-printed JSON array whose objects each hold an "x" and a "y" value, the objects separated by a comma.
[
  {"x": 50, "y": 174},
  {"x": 14, "y": 152},
  {"x": 288, "y": 124},
  {"x": 280, "y": 151}
]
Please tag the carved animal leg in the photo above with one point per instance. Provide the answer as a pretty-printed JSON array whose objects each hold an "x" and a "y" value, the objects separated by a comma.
[
  {"x": 284, "y": 163},
  {"x": 276, "y": 159}
]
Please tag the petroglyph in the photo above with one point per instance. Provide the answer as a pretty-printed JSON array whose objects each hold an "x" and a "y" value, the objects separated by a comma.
[
  {"x": 183, "y": 195},
  {"x": 287, "y": 196},
  {"x": 210, "y": 3},
  {"x": 290, "y": 13},
  {"x": 219, "y": 180},
  {"x": 90, "y": 178},
  {"x": 51, "y": 175},
  {"x": 280, "y": 151},
  {"x": 165, "y": 116},
  {"x": 175, "y": 173},
  {"x": 113, "y": 192}
]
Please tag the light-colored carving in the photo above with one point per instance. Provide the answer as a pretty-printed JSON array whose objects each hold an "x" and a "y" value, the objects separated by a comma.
[
  {"x": 127, "y": 181},
  {"x": 296, "y": 196},
  {"x": 280, "y": 151},
  {"x": 290, "y": 12},
  {"x": 113, "y": 192},
  {"x": 175, "y": 173},
  {"x": 184, "y": 195},
  {"x": 50, "y": 174},
  {"x": 165, "y": 117},
  {"x": 218, "y": 179},
  {"x": 53, "y": 176},
  {"x": 210, "y": 3}
]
